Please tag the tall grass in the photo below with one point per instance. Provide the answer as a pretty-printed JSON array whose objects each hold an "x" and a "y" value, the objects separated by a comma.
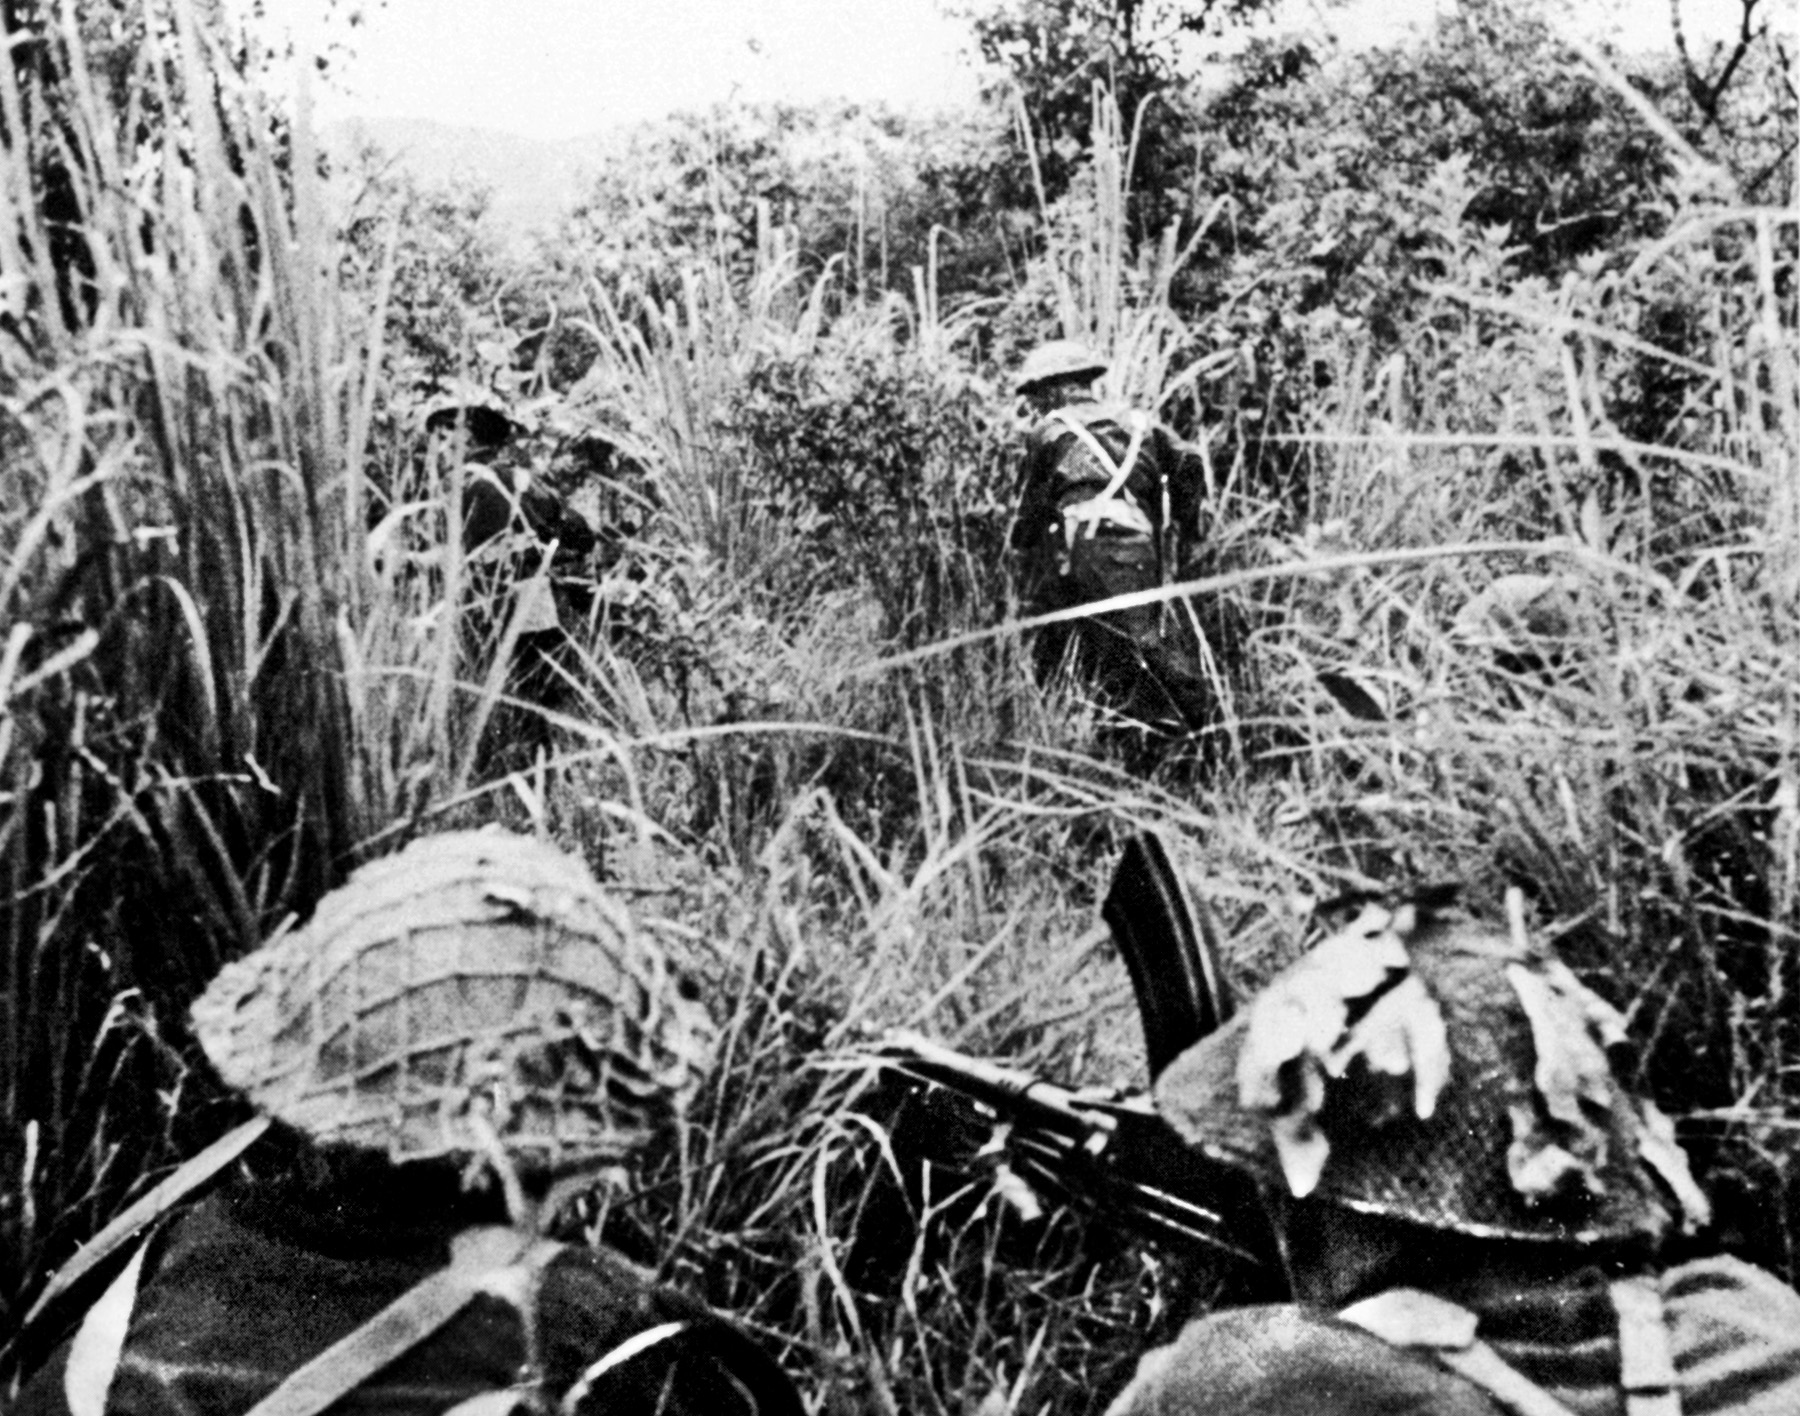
[
  {"x": 673, "y": 364},
  {"x": 1107, "y": 288},
  {"x": 175, "y": 558},
  {"x": 1640, "y": 790},
  {"x": 216, "y": 685},
  {"x": 243, "y": 646}
]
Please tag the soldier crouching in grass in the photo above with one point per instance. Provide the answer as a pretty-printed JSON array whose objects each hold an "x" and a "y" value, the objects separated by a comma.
[
  {"x": 531, "y": 562},
  {"x": 463, "y": 1035},
  {"x": 1109, "y": 504},
  {"x": 1469, "y": 1203}
]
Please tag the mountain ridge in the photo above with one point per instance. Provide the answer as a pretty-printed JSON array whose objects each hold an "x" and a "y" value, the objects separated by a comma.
[{"x": 531, "y": 181}]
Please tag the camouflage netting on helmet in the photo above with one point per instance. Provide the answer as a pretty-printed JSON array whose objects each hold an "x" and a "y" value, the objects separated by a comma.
[
  {"x": 473, "y": 987},
  {"x": 1442, "y": 1071}
]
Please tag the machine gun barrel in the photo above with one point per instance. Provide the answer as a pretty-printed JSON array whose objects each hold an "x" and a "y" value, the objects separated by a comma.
[
  {"x": 1008, "y": 1090},
  {"x": 1113, "y": 1153}
]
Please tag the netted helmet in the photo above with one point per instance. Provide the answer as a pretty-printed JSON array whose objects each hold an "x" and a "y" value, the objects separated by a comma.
[
  {"x": 1425, "y": 1066},
  {"x": 474, "y": 987},
  {"x": 1059, "y": 359}
]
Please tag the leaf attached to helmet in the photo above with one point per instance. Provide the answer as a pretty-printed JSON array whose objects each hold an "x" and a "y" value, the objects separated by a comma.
[
  {"x": 1561, "y": 1141},
  {"x": 1561, "y": 1135},
  {"x": 1352, "y": 1019},
  {"x": 1662, "y": 1152},
  {"x": 1402, "y": 1036}
]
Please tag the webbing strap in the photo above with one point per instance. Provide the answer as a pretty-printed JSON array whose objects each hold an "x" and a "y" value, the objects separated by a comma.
[
  {"x": 1121, "y": 469},
  {"x": 1410, "y": 1318},
  {"x": 1646, "y": 1370},
  {"x": 1104, "y": 511},
  {"x": 502, "y": 1262},
  {"x": 618, "y": 1357},
  {"x": 1480, "y": 1364}
]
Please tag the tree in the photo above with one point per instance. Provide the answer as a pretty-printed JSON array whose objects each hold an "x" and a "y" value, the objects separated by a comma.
[
  {"x": 123, "y": 103},
  {"x": 1046, "y": 57},
  {"x": 850, "y": 186},
  {"x": 1744, "y": 95}
]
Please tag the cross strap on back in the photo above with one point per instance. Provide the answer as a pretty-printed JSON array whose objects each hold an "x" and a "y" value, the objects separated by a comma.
[
  {"x": 1122, "y": 468},
  {"x": 1646, "y": 1369},
  {"x": 1446, "y": 1331},
  {"x": 504, "y": 1263},
  {"x": 1424, "y": 1322}
]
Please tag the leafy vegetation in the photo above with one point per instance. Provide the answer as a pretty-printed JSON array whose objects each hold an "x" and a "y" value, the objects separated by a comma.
[{"x": 1438, "y": 314}]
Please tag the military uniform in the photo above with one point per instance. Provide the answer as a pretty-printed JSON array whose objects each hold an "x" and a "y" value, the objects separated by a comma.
[
  {"x": 531, "y": 558},
  {"x": 1734, "y": 1341},
  {"x": 1109, "y": 505},
  {"x": 253, "y": 1284},
  {"x": 472, "y": 1008},
  {"x": 1468, "y": 1200}
]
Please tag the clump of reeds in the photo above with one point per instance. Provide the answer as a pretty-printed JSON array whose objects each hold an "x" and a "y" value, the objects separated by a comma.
[
  {"x": 1635, "y": 775},
  {"x": 216, "y": 683}
]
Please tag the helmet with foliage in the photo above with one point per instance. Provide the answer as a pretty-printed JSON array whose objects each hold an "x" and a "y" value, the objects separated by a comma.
[
  {"x": 1058, "y": 360},
  {"x": 475, "y": 989},
  {"x": 1428, "y": 1067}
]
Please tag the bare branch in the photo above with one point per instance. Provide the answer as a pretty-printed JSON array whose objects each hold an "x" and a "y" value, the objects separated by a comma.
[{"x": 1709, "y": 94}]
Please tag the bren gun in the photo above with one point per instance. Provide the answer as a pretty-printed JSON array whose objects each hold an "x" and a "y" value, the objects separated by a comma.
[{"x": 1106, "y": 1152}]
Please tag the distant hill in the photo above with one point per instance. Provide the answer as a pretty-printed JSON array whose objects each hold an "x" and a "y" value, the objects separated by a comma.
[{"x": 532, "y": 181}]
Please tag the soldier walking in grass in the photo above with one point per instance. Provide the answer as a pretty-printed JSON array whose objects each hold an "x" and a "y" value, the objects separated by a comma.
[
  {"x": 464, "y": 1034},
  {"x": 1109, "y": 504},
  {"x": 1470, "y": 1205}
]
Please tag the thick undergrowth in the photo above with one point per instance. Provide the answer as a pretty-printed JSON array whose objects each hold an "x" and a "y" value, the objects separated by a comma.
[{"x": 793, "y": 722}]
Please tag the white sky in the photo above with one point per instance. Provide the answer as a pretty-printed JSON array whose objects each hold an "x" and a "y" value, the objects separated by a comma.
[{"x": 559, "y": 68}]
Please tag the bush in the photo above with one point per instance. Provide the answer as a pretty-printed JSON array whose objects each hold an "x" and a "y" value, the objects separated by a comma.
[{"x": 890, "y": 463}]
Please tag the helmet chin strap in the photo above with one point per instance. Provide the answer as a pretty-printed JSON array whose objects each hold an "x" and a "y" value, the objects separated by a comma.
[{"x": 1330, "y": 1254}]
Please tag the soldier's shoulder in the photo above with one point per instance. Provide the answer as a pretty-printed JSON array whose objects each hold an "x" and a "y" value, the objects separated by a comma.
[
  {"x": 1125, "y": 415},
  {"x": 1712, "y": 1299},
  {"x": 1284, "y": 1359},
  {"x": 594, "y": 1301},
  {"x": 1135, "y": 422},
  {"x": 1736, "y": 1335}
]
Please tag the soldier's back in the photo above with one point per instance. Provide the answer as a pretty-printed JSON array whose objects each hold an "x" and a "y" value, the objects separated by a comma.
[
  {"x": 242, "y": 1292},
  {"x": 1733, "y": 1338}
]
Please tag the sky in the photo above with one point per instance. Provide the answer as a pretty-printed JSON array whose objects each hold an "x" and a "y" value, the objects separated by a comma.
[{"x": 565, "y": 68}]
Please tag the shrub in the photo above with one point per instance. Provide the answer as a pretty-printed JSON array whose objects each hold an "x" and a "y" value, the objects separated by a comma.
[{"x": 890, "y": 463}]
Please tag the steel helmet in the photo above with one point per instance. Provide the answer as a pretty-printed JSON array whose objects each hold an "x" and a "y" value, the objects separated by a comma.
[
  {"x": 1059, "y": 359},
  {"x": 1425, "y": 1066},
  {"x": 476, "y": 986},
  {"x": 472, "y": 408}
]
